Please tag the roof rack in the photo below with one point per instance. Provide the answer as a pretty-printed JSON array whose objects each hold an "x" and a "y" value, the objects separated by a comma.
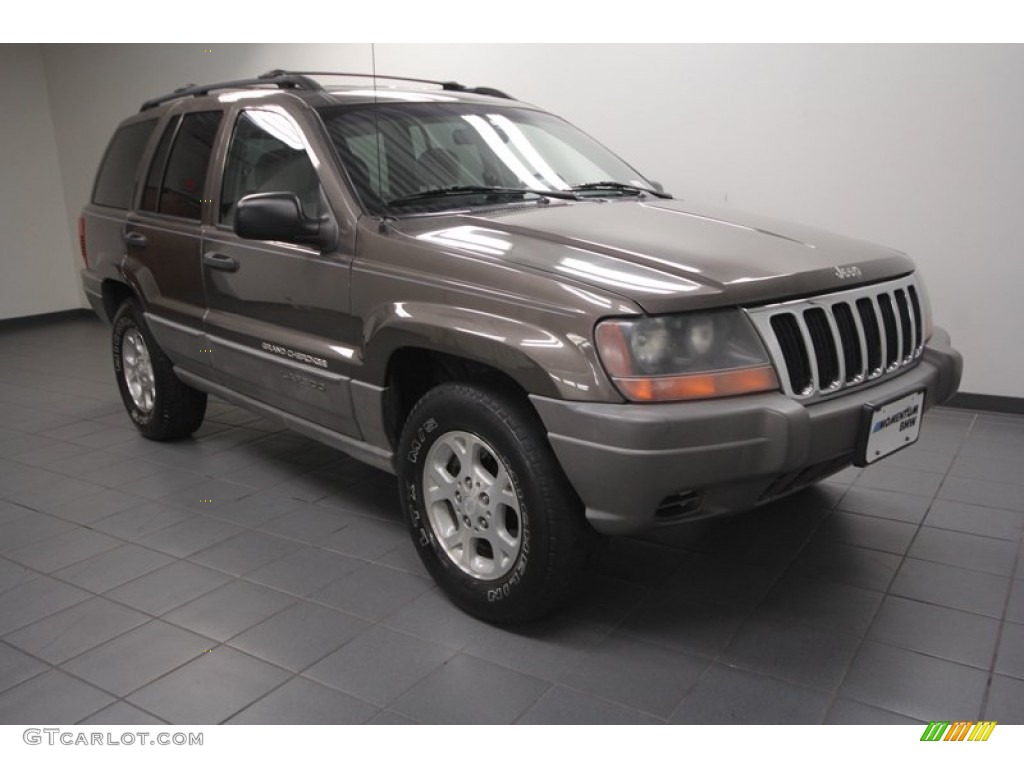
[
  {"x": 446, "y": 85},
  {"x": 278, "y": 78},
  {"x": 286, "y": 79}
]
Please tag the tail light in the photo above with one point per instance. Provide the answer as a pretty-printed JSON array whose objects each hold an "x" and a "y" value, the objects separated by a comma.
[{"x": 81, "y": 239}]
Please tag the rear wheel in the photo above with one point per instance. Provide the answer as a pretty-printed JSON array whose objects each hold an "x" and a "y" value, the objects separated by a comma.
[
  {"x": 491, "y": 514},
  {"x": 160, "y": 405}
]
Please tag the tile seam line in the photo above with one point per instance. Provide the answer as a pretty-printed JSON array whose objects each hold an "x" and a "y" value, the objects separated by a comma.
[
  {"x": 1002, "y": 626},
  {"x": 903, "y": 560}
]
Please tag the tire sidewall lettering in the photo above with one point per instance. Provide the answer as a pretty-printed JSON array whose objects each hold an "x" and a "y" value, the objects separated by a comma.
[
  {"x": 118, "y": 333},
  {"x": 423, "y": 538},
  {"x": 418, "y": 443}
]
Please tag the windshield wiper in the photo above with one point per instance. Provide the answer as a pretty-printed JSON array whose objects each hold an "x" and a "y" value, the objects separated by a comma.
[
  {"x": 619, "y": 187},
  {"x": 561, "y": 194}
]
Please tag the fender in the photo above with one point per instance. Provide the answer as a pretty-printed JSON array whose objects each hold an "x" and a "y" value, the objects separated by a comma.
[{"x": 542, "y": 362}]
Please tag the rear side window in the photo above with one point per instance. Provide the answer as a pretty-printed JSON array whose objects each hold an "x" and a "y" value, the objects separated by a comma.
[
  {"x": 175, "y": 187},
  {"x": 151, "y": 192},
  {"x": 115, "y": 180}
]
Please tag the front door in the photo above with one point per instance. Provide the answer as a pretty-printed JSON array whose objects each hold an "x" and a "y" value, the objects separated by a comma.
[{"x": 278, "y": 319}]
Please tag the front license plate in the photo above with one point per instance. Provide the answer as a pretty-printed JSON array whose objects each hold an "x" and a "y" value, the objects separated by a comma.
[{"x": 889, "y": 427}]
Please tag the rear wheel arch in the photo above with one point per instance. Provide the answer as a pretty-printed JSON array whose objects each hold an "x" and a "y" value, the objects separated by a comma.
[
  {"x": 161, "y": 406},
  {"x": 115, "y": 293}
]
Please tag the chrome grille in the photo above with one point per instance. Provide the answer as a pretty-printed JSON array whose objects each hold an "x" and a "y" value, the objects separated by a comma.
[{"x": 835, "y": 342}]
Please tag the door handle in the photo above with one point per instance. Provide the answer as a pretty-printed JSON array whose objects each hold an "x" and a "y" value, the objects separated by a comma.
[
  {"x": 136, "y": 239},
  {"x": 220, "y": 261}
]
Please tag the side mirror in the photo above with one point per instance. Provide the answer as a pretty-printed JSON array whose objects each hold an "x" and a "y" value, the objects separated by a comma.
[
  {"x": 279, "y": 216},
  {"x": 656, "y": 185}
]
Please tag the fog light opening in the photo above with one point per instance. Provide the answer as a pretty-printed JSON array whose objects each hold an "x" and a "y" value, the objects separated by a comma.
[{"x": 677, "y": 505}]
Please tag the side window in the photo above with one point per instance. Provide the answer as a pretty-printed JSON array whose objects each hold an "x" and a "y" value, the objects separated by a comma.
[
  {"x": 116, "y": 178},
  {"x": 268, "y": 154},
  {"x": 151, "y": 192},
  {"x": 176, "y": 187}
]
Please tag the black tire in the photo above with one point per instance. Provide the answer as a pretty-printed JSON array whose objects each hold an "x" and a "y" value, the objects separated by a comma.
[
  {"x": 176, "y": 409},
  {"x": 553, "y": 537}
]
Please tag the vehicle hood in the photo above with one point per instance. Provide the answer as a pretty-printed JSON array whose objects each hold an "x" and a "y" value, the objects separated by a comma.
[{"x": 665, "y": 255}]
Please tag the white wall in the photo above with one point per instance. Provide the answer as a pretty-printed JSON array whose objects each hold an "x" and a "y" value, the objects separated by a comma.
[
  {"x": 36, "y": 274},
  {"x": 916, "y": 147}
]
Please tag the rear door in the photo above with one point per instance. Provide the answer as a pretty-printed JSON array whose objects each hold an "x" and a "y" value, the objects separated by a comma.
[
  {"x": 279, "y": 319},
  {"x": 103, "y": 219},
  {"x": 163, "y": 237}
]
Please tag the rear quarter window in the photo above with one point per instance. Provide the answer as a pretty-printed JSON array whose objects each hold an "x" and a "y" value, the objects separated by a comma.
[{"x": 116, "y": 177}]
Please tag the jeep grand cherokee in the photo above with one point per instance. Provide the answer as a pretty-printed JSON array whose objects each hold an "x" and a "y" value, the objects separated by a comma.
[{"x": 471, "y": 293}]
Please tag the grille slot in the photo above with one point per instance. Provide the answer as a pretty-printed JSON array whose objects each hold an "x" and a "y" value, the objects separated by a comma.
[
  {"x": 827, "y": 344},
  {"x": 849, "y": 340},
  {"x": 824, "y": 348},
  {"x": 797, "y": 363},
  {"x": 872, "y": 335},
  {"x": 892, "y": 342}
]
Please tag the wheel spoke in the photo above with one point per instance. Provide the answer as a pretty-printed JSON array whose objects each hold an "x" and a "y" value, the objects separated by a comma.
[
  {"x": 453, "y": 538},
  {"x": 438, "y": 485},
  {"x": 480, "y": 472},
  {"x": 502, "y": 539},
  {"x": 459, "y": 546},
  {"x": 507, "y": 496},
  {"x": 503, "y": 491},
  {"x": 502, "y": 481},
  {"x": 461, "y": 449}
]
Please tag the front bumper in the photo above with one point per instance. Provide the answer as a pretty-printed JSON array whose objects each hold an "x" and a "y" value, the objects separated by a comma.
[{"x": 718, "y": 456}]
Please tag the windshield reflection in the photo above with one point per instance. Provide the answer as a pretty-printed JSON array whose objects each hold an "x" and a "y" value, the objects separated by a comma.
[{"x": 394, "y": 150}]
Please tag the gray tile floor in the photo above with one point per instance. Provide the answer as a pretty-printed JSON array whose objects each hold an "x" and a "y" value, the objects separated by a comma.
[{"x": 252, "y": 576}]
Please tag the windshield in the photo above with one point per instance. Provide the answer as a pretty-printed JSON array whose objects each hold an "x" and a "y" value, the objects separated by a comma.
[{"x": 465, "y": 149}]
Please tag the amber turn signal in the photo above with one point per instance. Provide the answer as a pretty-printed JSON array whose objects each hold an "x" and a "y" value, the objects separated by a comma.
[{"x": 699, "y": 386}]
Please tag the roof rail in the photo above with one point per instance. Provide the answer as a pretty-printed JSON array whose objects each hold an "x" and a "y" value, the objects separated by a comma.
[
  {"x": 446, "y": 85},
  {"x": 276, "y": 78}
]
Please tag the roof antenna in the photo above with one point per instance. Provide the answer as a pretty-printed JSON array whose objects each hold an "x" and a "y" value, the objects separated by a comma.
[{"x": 376, "y": 128}]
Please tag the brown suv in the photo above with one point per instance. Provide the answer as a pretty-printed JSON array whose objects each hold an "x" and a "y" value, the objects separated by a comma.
[{"x": 469, "y": 292}]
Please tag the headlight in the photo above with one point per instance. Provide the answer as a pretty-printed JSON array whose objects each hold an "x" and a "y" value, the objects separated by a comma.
[{"x": 685, "y": 357}]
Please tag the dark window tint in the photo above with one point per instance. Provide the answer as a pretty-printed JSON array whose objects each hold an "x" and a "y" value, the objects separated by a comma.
[
  {"x": 181, "y": 193},
  {"x": 117, "y": 171},
  {"x": 151, "y": 192},
  {"x": 268, "y": 154}
]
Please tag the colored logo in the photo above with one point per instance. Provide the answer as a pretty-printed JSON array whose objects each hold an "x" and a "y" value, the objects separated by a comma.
[{"x": 958, "y": 731}]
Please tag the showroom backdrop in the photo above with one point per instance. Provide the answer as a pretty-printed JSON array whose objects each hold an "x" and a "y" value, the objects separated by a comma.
[{"x": 915, "y": 147}]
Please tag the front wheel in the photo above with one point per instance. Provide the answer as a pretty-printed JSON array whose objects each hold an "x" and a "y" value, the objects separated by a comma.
[{"x": 490, "y": 512}]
